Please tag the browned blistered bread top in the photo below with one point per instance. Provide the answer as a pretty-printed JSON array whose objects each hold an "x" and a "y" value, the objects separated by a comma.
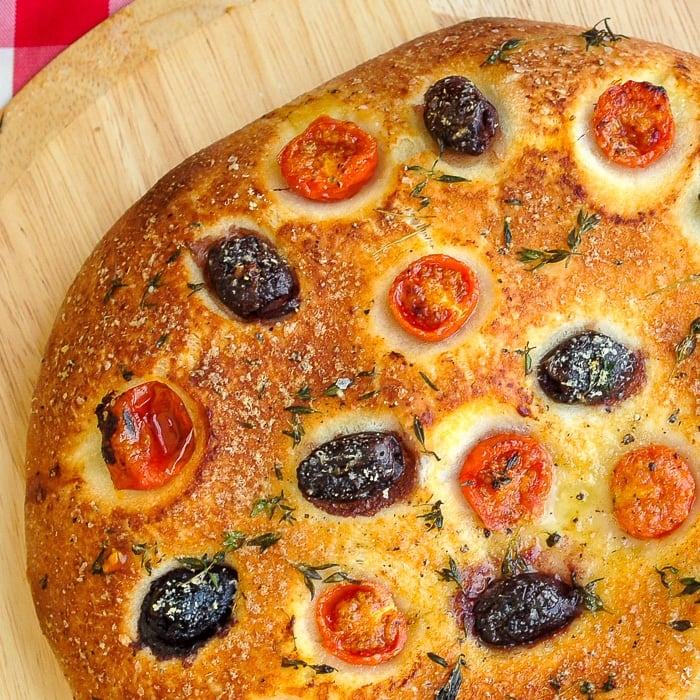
[{"x": 141, "y": 309}]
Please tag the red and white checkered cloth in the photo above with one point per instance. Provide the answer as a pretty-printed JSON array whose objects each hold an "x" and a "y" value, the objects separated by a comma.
[{"x": 32, "y": 32}]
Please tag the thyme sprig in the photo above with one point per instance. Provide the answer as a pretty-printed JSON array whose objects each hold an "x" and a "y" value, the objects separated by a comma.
[
  {"x": 114, "y": 285},
  {"x": 676, "y": 584},
  {"x": 501, "y": 474},
  {"x": 419, "y": 223},
  {"x": 271, "y": 504},
  {"x": 590, "y": 600},
  {"x": 513, "y": 561},
  {"x": 539, "y": 258},
  {"x": 500, "y": 54},
  {"x": 431, "y": 175},
  {"x": 433, "y": 518},
  {"x": 450, "y": 573},
  {"x": 695, "y": 277},
  {"x": 304, "y": 396},
  {"x": 203, "y": 566},
  {"x": 585, "y": 222},
  {"x": 419, "y": 432},
  {"x": 149, "y": 554},
  {"x": 312, "y": 574},
  {"x": 595, "y": 36},
  {"x": 300, "y": 663},
  {"x": 686, "y": 347}
]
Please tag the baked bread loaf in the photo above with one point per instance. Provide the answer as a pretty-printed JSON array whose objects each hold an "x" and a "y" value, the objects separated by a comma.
[{"x": 393, "y": 392}]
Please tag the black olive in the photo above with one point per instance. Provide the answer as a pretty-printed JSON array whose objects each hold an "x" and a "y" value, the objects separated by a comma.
[
  {"x": 524, "y": 608},
  {"x": 183, "y": 609},
  {"x": 251, "y": 278},
  {"x": 352, "y": 467},
  {"x": 458, "y": 116},
  {"x": 589, "y": 368}
]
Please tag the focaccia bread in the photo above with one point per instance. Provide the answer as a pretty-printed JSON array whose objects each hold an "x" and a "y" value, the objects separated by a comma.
[{"x": 393, "y": 393}]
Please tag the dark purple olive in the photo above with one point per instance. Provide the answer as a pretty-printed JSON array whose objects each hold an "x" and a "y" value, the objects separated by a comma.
[
  {"x": 183, "y": 609},
  {"x": 352, "y": 467},
  {"x": 524, "y": 608},
  {"x": 458, "y": 116},
  {"x": 251, "y": 278},
  {"x": 589, "y": 368}
]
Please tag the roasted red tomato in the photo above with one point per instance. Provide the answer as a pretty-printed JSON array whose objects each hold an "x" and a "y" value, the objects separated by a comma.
[
  {"x": 506, "y": 478},
  {"x": 331, "y": 160},
  {"x": 147, "y": 436},
  {"x": 653, "y": 491},
  {"x": 360, "y": 623},
  {"x": 434, "y": 296},
  {"x": 633, "y": 123}
]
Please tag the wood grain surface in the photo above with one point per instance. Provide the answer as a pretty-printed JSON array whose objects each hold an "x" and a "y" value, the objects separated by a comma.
[{"x": 114, "y": 112}]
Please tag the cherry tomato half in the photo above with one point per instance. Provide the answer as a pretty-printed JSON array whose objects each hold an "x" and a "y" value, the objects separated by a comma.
[
  {"x": 434, "y": 296},
  {"x": 506, "y": 478},
  {"x": 360, "y": 623},
  {"x": 653, "y": 491},
  {"x": 633, "y": 123},
  {"x": 147, "y": 436},
  {"x": 331, "y": 160}
]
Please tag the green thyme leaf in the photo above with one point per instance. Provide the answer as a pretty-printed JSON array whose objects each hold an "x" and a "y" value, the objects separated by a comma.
[
  {"x": 338, "y": 577},
  {"x": 428, "y": 381},
  {"x": 527, "y": 357},
  {"x": 680, "y": 625},
  {"x": 499, "y": 55},
  {"x": 194, "y": 287},
  {"x": 338, "y": 387},
  {"x": 265, "y": 540},
  {"x": 690, "y": 585},
  {"x": 507, "y": 233},
  {"x": 296, "y": 432},
  {"x": 436, "y": 658}
]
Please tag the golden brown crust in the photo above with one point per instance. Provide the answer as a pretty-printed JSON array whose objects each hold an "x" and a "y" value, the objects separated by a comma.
[{"x": 138, "y": 311}]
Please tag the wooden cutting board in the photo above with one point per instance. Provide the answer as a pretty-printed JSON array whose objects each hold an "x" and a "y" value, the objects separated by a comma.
[{"x": 118, "y": 109}]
